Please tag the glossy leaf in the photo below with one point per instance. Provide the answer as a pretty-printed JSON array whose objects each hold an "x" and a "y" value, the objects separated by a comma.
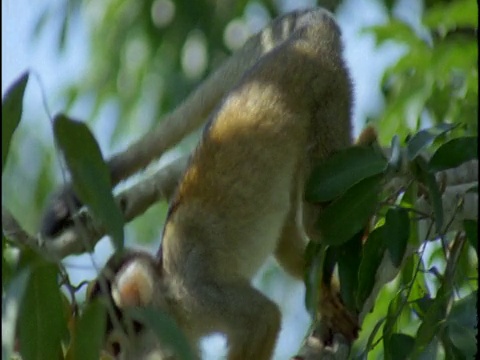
[
  {"x": 464, "y": 339},
  {"x": 424, "y": 138},
  {"x": 454, "y": 153},
  {"x": 90, "y": 174},
  {"x": 471, "y": 230},
  {"x": 373, "y": 252},
  {"x": 349, "y": 257},
  {"x": 12, "y": 108},
  {"x": 400, "y": 346},
  {"x": 343, "y": 170},
  {"x": 349, "y": 214},
  {"x": 397, "y": 227},
  {"x": 464, "y": 311}
]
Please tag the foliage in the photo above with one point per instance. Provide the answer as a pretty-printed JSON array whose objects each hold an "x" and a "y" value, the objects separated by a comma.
[{"x": 430, "y": 118}]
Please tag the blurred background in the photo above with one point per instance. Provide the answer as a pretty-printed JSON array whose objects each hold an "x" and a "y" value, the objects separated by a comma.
[{"x": 119, "y": 65}]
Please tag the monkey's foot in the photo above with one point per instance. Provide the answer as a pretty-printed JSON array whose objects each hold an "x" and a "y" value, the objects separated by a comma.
[{"x": 335, "y": 316}]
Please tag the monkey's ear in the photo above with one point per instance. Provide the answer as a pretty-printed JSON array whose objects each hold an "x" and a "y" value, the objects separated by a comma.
[
  {"x": 134, "y": 284},
  {"x": 368, "y": 136},
  {"x": 58, "y": 213}
]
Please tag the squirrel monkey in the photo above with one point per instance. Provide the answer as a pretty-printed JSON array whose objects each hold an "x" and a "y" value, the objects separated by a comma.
[{"x": 241, "y": 200}]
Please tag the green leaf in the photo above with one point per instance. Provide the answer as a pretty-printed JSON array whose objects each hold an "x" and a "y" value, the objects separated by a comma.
[
  {"x": 12, "y": 108},
  {"x": 424, "y": 138},
  {"x": 455, "y": 14},
  {"x": 349, "y": 257},
  {"x": 400, "y": 346},
  {"x": 89, "y": 332},
  {"x": 165, "y": 329},
  {"x": 373, "y": 252},
  {"x": 397, "y": 227},
  {"x": 395, "y": 161},
  {"x": 394, "y": 30},
  {"x": 41, "y": 322},
  {"x": 428, "y": 179},
  {"x": 394, "y": 310},
  {"x": 464, "y": 311},
  {"x": 464, "y": 339},
  {"x": 349, "y": 214},
  {"x": 454, "y": 153},
  {"x": 471, "y": 230},
  {"x": 315, "y": 259},
  {"x": 371, "y": 337},
  {"x": 10, "y": 310},
  {"x": 343, "y": 170},
  {"x": 90, "y": 174}
]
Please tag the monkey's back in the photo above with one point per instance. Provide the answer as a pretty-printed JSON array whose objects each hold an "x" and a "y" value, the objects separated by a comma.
[{"x": 236, "y": 191}]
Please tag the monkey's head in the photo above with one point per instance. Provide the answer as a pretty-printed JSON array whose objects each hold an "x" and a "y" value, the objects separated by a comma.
[
  {"x": 129, "y": 279},
  {"x": 58, "y": 213}
]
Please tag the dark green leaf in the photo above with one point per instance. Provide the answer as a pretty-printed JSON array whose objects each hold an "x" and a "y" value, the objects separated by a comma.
[
  {"x": 349, "y": 214},
  {"x": 373, "y": 252},
  {"x": 464, "y": 311},
  {"x": 315, "y": 258},
  {"x": 424, "y": 138},
  {"x": 41, "y": 323},
  {"x": 89, "y": 332},
  {"x": 434, "y": 320},
  {"x": 397, "y": 227},
  {"x": 343, "y": 170},
  {"x": 422, "y": 305},
  {"x": 90, "y": 175},
  {"x": 454, "y": 153},
  {"x": 165, "y": 329},
  {"x": 464, "y": 338},
  {"x": 395, "y": 161},
  {"x": 471, "y": 230},
  {"x": 10, "y": 310},
  {"x": 12, "y": 107},
  {"x": 349, "y": 259},
  {"x": 400, "y": 346},
  {"x": 428, "y": 179},
  {"x": 394, "y": 310}
]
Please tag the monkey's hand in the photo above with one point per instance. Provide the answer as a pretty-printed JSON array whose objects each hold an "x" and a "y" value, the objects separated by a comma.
[{"x": 59, "y": 211}]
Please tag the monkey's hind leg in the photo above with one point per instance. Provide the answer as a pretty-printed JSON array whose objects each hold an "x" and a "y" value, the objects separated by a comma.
[{"x": 249, "y": 319}]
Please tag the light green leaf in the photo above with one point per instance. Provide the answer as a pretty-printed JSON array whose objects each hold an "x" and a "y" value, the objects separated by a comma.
[
  {"x": 12, "y": 108},
  {"x": 89, "y": 332},
  {"x": 90, "y": 174},
  {"x": 460, "y": 13},
  {"x": 41, "y": 322}
]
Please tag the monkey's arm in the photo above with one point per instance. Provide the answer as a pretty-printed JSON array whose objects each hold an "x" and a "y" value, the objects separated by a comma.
[{"x": 184, "y": 119}]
